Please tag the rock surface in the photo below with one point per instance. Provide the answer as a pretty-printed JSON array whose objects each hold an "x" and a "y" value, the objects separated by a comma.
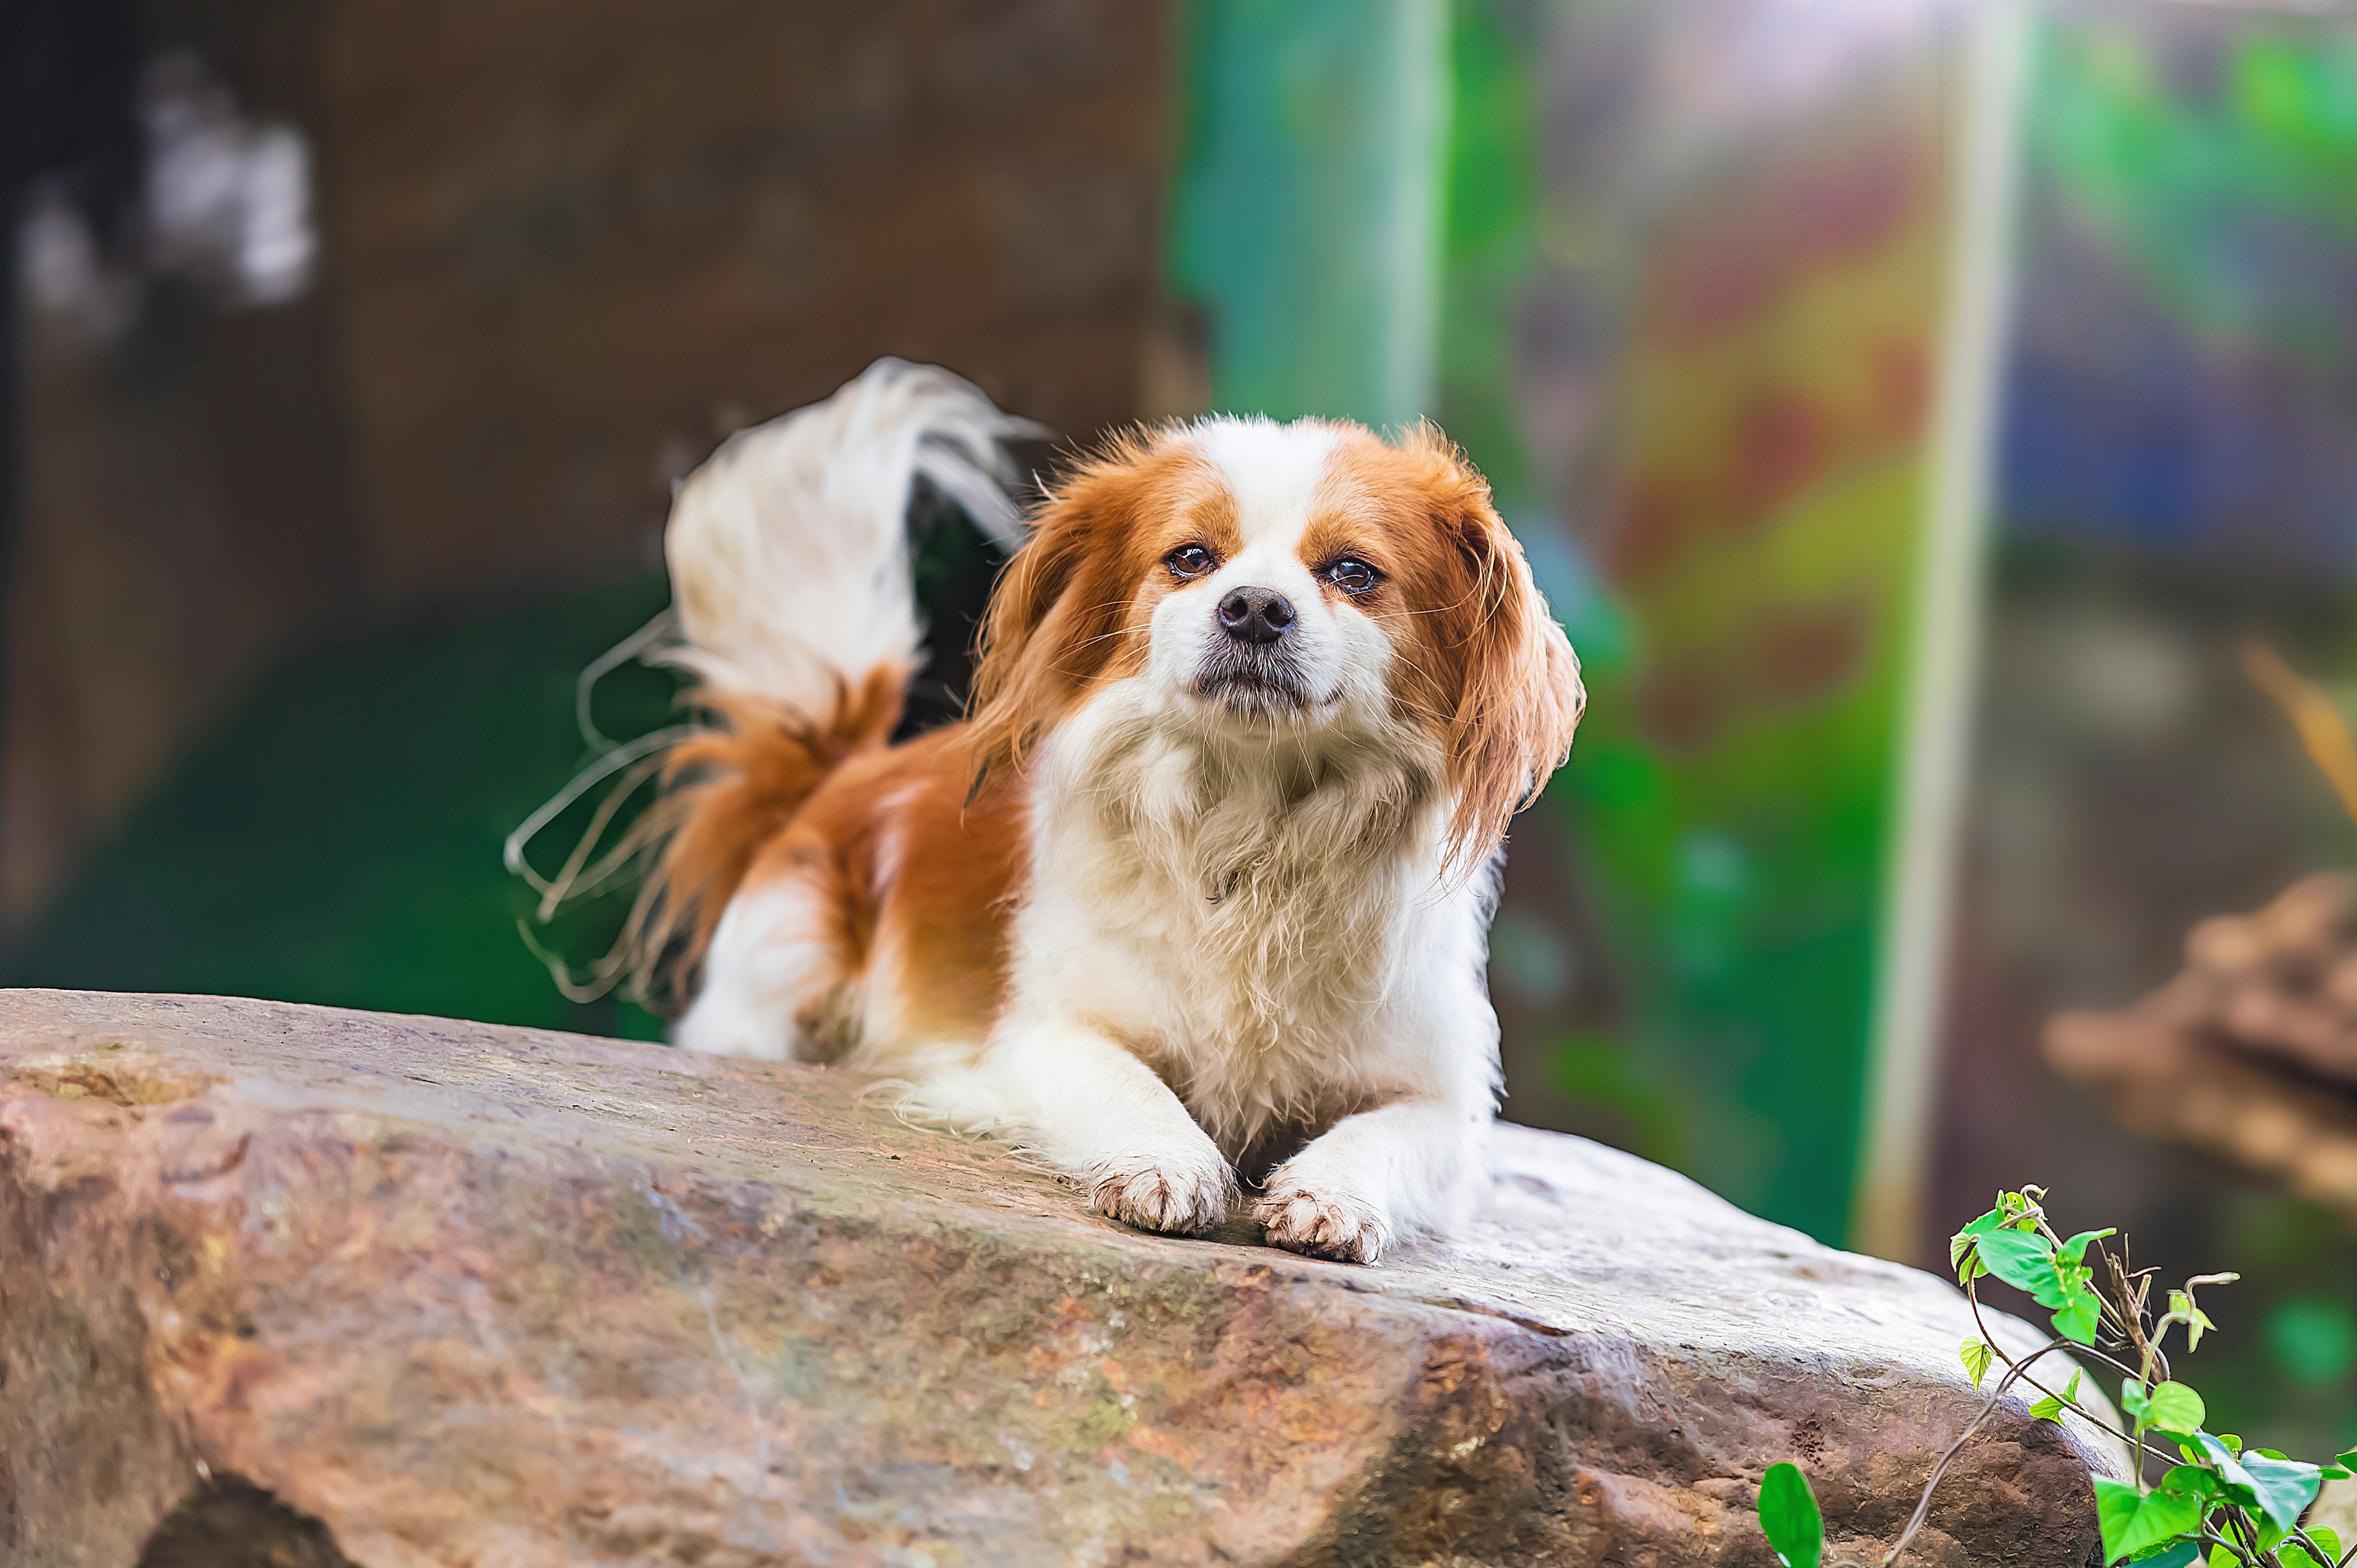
[{"x": 291, "y": 1285}]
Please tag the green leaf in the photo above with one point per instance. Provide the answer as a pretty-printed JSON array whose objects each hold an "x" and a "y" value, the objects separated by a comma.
[
  {"x": 2182, "y": 1555},
  {"x": 2194, "y": 1481},
  {"x": 2327, "y": 1537},
  {"x": 2175, "y": 1408},
  {"x": 2051, "y": 1407},
  {"x": 1789, "y": 1517},
  {"x": 2075, "y": 1249},
  {"x": 1962, "y": 1242},
  {"x": 2077, "y": 1319},
  {"x": 2132, "y": 1521},
  {"x": 1961, "y": 1257},
  {"x": 1977, "y": 1356},
  {"x": 2294, "y": 1555},
  {"x": 2182, "y": 1308},
  {"x": 2233, "y": 1479},
  {"x": 2025, "y": 1260},
  {"x": 2286, "y": 1487},
  {"x": 2134, "y": 1400},
  {"x": 2346, "y": 1461}
]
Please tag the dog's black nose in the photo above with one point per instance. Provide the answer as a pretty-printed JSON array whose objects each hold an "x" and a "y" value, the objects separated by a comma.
[{"x": 1257, "y": 615}]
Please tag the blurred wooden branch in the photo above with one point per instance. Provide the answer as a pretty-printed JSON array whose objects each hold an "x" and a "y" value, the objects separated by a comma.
[{"x": 2251, "y": 1053}]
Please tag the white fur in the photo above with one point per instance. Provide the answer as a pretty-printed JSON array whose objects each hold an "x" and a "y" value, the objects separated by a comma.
[
  {"x": 789, "y": 547},
  {"x": 1236, "y": 920},
  {"x": 769, "y": 957},
  {"x": 1263, "y": 923}
]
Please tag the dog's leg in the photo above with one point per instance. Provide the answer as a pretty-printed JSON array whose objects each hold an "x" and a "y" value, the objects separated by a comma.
[
  {"x": 1096, "y": 1110},
  {"x": 1372, "y": 1177}
]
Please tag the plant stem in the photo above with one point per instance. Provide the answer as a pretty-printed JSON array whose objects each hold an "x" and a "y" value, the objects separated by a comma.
[
  {"x": 2313, "y": 1549},
  {"x": 1973, "y": 1298},
  {"x": 1923, "y": 1504},
  {"x": 2212, "y": 1538}
]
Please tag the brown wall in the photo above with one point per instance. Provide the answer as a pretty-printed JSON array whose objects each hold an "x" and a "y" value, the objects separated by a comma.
[{"x": 565, "y": 248}]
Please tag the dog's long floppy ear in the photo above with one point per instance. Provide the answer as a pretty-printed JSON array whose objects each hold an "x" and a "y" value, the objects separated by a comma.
[
  {"x": 1055, "y": 616},
  {"x": 1509, "y": 672}
]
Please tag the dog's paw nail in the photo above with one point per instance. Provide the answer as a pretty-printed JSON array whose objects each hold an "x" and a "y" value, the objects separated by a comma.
[
  {"x": 1323, "y": 1224},
  {"x": 1184, "y": 1200}
]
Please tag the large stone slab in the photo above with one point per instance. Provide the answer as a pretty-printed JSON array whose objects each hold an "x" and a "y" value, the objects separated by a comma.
[{"x": 402, "y": 1292}]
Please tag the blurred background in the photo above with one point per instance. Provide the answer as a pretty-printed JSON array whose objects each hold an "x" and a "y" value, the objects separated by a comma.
[{"x": 1936, "y": 422}]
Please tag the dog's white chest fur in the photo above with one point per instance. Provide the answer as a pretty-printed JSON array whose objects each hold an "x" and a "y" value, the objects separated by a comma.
[{"x": 1256, "y": 919}]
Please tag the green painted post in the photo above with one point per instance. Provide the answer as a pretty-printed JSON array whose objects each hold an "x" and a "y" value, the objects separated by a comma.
[{"x": 1307, "y": 218}]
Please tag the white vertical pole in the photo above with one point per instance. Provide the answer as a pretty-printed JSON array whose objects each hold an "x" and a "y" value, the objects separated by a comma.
[{"x": 1948, "y": 601}]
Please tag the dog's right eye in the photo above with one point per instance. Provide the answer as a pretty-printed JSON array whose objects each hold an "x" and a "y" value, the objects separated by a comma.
[{"x": 1189, "y": 561}]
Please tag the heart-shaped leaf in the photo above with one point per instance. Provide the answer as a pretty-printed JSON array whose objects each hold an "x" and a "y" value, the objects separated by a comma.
[
  {"x": 2217, "y": 1453},
  {"x": 2077, "y": 1320},
  {"x": 2284, "y": 1487},
  {"x": 2194, "y": 1481},
  {"x": 1789, "y": 1517},
  {"x": 2051, "y": 1407},
  {"x": 2175, "y": 1408},
  {"x": 2025, "y": 1260},
  {"x": 2131, "y": 1520}
]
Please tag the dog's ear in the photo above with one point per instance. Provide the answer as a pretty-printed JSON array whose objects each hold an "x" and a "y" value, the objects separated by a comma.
[
  {"x": 1511, "y": 681},
  {"x": 1055, "y": 614}
]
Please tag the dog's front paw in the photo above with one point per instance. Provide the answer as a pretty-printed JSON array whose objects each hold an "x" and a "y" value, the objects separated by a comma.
[
  {"x": 1322, "y": 1223},
  {"x": 1186, "y": 1196}
]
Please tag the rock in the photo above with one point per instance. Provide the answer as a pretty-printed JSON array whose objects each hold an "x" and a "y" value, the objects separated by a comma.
[{"x": 291, "y": 1285}]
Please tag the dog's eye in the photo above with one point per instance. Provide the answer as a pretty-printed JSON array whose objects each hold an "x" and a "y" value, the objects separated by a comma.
[
  {"x": 1352, "y": 575},
  {"x": 1189, "y": 561}
]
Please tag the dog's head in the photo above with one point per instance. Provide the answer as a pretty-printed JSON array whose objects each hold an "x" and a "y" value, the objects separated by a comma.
[{"x": 1306, "y": 578}]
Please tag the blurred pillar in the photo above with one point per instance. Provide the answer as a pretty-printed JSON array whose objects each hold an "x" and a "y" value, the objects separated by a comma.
[
  {"x": 1306, "y": 214},
  {"x": 1887, "y": 1215}
]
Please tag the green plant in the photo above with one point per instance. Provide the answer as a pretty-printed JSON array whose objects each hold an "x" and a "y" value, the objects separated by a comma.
[{"x": 2213, "y": 1500}]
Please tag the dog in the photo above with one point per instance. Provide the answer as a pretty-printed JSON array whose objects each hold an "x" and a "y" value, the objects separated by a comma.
[{"x": 1202, "y": 881}]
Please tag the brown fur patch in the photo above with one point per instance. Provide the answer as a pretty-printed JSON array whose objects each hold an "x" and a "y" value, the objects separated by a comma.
[
  {"x": 732, "y": 788},
  {"x": 905, "y": 865},
  {"x": 1073, "y": 606},
  {"x": 1484, "y": 667}
]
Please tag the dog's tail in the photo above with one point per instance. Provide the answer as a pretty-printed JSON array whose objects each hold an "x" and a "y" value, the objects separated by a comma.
[{"x": 791, "y": 579}]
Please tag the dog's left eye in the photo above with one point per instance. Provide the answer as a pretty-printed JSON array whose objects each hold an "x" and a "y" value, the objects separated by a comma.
[{"x": 1352, "y": 575}]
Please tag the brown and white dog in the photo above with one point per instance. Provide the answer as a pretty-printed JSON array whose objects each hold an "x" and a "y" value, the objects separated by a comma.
[{"x": 1205, "y": 878}]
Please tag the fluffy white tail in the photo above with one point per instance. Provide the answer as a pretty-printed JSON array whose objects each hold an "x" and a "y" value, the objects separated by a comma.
[{"x": 789, "y": 548}]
